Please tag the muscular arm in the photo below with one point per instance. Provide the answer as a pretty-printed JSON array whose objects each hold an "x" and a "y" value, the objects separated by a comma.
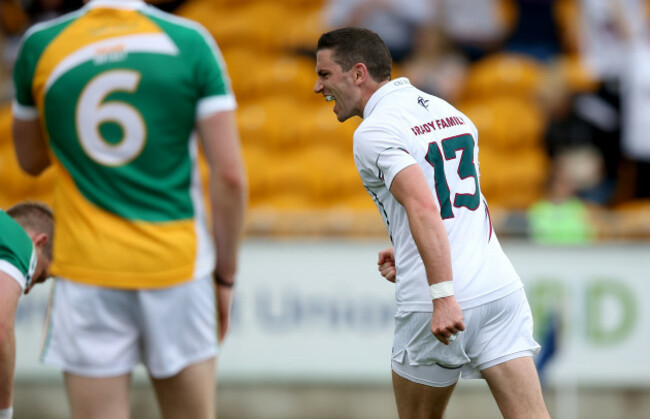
[
  {"x": 9, "y": 294},
  {"x": 410, "y": 188},
  {"x": 228, "y": 197},
  {"x": 30, "y": 146}
]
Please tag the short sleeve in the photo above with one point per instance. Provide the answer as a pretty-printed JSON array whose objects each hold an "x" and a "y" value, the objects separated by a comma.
[
  {"x": 212, "y": 75},
  {"x": 380, "y": 152},
  {"x": 17, "y": 252},
  {"x": 18, "y": 259},
  {"x": 13, "y": 272}
]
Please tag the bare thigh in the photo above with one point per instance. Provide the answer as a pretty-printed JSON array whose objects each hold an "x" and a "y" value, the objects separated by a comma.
[
  {"x": 98, "y": 398},
  {"x": 516, "y": 388},
  {"x": 190, "y": 393},
  {"x": 418, "y": 401}
]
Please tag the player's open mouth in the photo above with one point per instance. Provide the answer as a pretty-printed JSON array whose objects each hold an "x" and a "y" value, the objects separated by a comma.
[{"x": 329, "y": 98}]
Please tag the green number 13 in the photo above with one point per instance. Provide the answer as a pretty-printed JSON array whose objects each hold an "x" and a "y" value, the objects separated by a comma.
[{"x": 466, "y": 168}]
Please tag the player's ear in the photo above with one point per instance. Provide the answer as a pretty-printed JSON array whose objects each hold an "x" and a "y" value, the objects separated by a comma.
[
  {"x": 40, "y": 239},
  {"x": 359, "y": 73}
]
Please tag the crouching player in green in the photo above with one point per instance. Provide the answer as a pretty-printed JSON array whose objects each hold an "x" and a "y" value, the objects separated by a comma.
[{"x": 25, "y": 254}]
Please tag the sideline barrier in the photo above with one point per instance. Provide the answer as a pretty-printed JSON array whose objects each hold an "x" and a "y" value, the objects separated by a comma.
[{"x": 318, "y": 311}]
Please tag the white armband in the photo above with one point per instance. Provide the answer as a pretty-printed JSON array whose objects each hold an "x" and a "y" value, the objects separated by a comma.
[
  {"x": 442, "y": 289},
  {"x": 7, "y": 413}
]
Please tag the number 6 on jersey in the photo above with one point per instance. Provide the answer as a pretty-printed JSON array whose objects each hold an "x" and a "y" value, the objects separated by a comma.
[{"x": 92, "y": 112}]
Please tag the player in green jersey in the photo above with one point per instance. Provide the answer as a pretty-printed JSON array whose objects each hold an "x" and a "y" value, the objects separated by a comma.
[
  {"x": 112, "y": 96},
  {"x": 26, "y": 232}
]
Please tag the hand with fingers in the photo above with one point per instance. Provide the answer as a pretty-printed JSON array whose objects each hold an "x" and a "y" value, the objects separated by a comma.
[
  {"x": 447, "y": 319},
  {"x": 224, "y": 292},
  {"x": 386, "y": 264}
]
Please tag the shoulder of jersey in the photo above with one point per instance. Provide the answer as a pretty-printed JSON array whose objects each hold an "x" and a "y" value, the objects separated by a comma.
[
  {"x": 175, "y": 19},
  {"x": 41, "y": 27}
]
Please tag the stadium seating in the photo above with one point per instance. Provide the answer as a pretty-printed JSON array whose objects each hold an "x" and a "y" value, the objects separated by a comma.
[
  {"x": 504, "y": 74},
  {"x": 298, "y": 157},
  {"x": 500, "y": 97},
  {"x": 632, "y": 220}
]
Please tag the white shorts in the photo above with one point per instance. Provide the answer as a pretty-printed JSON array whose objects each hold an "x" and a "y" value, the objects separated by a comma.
[
  {"x": 495, "y": 332},
  {"x": 102, "y": 332}
]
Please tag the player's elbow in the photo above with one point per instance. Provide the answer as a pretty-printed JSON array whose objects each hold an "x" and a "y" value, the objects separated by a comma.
[
  {"x": 234, "y": 181},
  {"x": 29, "y": 147},
  {"x": 33, "y": 167}
]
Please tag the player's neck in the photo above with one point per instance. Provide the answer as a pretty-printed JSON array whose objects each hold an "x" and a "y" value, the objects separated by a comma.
[{"x": 369, "y": 89}]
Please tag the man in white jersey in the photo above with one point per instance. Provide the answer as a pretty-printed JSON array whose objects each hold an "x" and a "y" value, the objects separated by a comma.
[
  {"x": 26, "y": 232},
  {"x": 113, "y": 96},
  {"x": 461, "y": 307}
]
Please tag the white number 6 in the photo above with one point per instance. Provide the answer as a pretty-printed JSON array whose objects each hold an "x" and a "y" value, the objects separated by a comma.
[{"x": 92, "y": 112}]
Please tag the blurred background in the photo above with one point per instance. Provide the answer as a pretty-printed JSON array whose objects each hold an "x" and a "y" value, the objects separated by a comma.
[{"x": 560, "y": 93}]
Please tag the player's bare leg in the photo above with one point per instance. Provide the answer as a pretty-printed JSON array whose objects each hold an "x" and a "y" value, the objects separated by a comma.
[
  {"x": 190, "y": 393},
  {"x": 98, "y": 398},
  {"x": 417, "y": 401},
  {"x": 516, "y": 388}
]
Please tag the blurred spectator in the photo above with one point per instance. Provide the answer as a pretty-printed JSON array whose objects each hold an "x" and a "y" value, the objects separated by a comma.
[
  {"x": 615, "y": 46},
  {"x": 562, "y": 217},
  {"x": 16, "y": 17},
  {"x": 605, "y": 26},
  {"x": 42, "y": 10},
  {"x": 435, "y": 65},
  {"x": 636, "y": 123},
  {"x": 635, "y": 99},
  {"x": 476, "y": 27},
  {"x": 536, "y": 31},
  {"x": 584, "y": 121},
  {"x": 396, "y": 21},
  {"x": 13, "y": 22}
]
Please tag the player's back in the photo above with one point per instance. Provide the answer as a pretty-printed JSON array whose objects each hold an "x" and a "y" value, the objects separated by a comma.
[{"x": 118, "y": 86}]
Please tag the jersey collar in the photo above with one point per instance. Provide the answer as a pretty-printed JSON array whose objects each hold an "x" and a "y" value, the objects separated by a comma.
[
  {"x": 117, "y": 4},
  {"x": 384, "y": 90}
]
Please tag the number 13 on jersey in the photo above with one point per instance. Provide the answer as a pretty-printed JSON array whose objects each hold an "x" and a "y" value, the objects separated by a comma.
[{"x": 466, "y": 169}]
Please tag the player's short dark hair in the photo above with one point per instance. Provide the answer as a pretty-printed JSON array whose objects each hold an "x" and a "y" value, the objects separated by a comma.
[
  {"x": 358, "y": 45},
  {"x": 36, "y": 217}
]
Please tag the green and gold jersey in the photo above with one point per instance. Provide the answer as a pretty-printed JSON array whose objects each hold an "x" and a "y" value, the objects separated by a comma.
[
  {"x": 17, "y": 252},
  {"x": 118, "y": 87}
]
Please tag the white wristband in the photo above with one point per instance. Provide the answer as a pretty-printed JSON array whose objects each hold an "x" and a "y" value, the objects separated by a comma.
[
  {"x": 7, "y": 413},
  {"x": 442, "y": 289}
]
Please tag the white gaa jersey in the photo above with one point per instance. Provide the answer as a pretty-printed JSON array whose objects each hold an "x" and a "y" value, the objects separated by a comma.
[{"x": 403, "y": 126}]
